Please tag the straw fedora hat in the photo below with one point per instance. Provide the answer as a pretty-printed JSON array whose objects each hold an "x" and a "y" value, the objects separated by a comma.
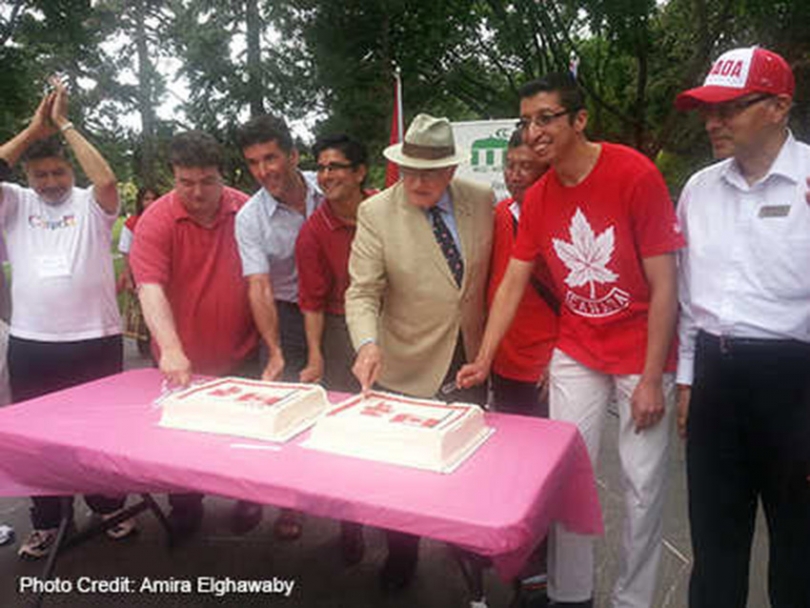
[{"x": 428, "y": 145}]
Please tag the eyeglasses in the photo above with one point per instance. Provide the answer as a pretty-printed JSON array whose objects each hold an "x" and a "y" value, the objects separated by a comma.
[
  {"x": 330, "y": 167},
  {"x": 541, "y": 120},
  {"x": 730, "y": 109}
]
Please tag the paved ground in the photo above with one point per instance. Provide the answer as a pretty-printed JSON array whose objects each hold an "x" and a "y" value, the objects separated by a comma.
[{"x": 313, "y": 562}]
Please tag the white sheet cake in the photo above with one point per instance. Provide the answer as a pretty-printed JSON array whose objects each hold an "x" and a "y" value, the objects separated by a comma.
[
  {"x": 400, "y": 430},
  {"x": 273, "y": 411}
]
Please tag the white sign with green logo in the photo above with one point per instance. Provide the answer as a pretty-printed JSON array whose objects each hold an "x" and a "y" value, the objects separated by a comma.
[{"x": 485, "y": 143}]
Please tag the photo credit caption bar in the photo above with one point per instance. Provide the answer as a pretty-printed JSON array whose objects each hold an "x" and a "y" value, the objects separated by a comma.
[{"x": 202, "y": 585}]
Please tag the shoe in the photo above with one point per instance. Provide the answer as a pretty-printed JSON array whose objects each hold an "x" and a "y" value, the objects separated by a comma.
[
  {"x": 398, "y": 571},
  {"x": 38, "y": 544},
  {"x": 6, "y": 534},
  {"x": 245, "y": 516},
  {"x": 184, "y": 523},
  {"x": 351, "y": 543},
  {"x": 288, "y": 525},
  {"x": 122, "y": 529}
]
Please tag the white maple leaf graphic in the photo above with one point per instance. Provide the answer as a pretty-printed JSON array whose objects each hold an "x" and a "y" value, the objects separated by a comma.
[{"x": 587, "y": 255}]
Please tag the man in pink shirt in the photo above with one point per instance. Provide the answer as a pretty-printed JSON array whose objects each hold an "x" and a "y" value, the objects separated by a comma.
[{"x": 186, "y": 265}]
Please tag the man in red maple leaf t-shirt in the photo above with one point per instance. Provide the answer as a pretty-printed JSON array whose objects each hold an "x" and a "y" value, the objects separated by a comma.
[{"x": 603, "y": 223}]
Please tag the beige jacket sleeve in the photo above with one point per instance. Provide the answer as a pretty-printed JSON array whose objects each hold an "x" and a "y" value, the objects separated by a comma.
[{"x": 368, "y": 279}]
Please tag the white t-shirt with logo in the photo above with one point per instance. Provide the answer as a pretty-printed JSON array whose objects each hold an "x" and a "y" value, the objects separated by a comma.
[{"x": 62, "y": 277}]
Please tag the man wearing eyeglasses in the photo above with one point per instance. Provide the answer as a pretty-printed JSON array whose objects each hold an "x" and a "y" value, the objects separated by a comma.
[
  {"x": 418, "y": 266},
  {"x": 602, "y": 221},
  {"x": 744, "y": 393}
]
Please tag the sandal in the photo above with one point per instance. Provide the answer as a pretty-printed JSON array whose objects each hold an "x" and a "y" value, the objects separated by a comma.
[{"x": 288, "y": 525}]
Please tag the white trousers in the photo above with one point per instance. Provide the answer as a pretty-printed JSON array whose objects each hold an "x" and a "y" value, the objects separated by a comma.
[{"x": 581, "y": 396}]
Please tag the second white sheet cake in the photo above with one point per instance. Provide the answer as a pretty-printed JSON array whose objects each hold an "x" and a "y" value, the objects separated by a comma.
[{"x": 401, "y": 430}]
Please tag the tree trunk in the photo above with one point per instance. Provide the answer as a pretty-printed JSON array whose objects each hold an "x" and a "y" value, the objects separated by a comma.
[
  {"x": 147, "y": 169},
  {"x": 253, "y": 23}
]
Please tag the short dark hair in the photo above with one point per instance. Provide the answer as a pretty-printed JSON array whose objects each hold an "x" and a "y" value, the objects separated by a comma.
[
  {"x": 516, "y": 139},
  {"x": 571, "y": 95},
  {"x": 354, "y": 151},
  {"x": 52, "y": 147},
  {"x": 262, "y": 129},
  {"x": 195, "y": 149}
]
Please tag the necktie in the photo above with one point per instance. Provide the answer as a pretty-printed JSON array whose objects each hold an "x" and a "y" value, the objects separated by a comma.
[{"x": 447, "y": 244}]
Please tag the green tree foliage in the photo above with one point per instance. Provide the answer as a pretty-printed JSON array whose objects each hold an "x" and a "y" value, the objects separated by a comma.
[{"x": 465, "y": 59}]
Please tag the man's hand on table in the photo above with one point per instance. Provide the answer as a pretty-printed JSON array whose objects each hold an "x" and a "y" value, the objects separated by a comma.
[
  {"x": 176, "y": 367},
  {"x": 274, "y": 367},
  {"x": 367, "y": 365},
  {"x": 313, "y": 372},
  {"x": 473, "y": 374}
]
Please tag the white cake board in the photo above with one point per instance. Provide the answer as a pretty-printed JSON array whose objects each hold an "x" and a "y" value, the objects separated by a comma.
[
  {"x": 285, "y": 437},
  {"x": 451, "y": 466}
]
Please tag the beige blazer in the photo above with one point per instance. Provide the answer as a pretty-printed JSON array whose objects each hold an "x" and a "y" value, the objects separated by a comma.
[{"x": 402, "y": 293}]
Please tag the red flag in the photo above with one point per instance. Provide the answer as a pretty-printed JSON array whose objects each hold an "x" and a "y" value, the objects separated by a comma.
[{"x": 392, "y": 170}]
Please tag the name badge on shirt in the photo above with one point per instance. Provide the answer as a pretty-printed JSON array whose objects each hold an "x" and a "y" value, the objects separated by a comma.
[
  {"x": 774, "y": 211},
  {"x": 52, "y": 266}
]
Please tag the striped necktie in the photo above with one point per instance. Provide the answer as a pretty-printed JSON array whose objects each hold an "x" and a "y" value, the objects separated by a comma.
[{"x": 447, "y": 244}]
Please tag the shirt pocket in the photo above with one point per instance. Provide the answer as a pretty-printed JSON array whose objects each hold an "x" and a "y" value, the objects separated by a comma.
[{"x": 783, "y": 267}]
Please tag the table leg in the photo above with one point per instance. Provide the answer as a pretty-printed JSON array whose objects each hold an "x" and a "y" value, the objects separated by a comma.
[
  {"x": 158, "y": 512},
  {"x": 66, "y": 503},
  {"x": 472, "y": 568},
  {"x": 64, "y": 542}
]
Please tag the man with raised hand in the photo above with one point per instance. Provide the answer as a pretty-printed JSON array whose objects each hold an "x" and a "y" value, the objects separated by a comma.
[
  {"x": 602, "y": 221},
  {"x": 418, "y": 269},
  {"x": 65, "y": 326},
  {"x": 744, "y": 393}
]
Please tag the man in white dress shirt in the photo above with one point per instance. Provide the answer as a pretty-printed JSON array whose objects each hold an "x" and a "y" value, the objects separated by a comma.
[{"x": 744, "y": 364}]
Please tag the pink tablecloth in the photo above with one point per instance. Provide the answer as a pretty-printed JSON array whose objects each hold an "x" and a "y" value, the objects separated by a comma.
[{"x": 103, "y": 437}]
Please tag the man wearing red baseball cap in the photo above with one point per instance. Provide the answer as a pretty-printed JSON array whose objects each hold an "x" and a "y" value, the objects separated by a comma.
[{"x": 744, "y": 283}]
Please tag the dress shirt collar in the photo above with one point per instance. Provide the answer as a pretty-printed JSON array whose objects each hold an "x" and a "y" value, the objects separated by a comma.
[
  {"x": 227, "y": 206},
  {"x": 787, "y": 165},
  {"x": 514, "y": 208},
  {"x": 311, "y": 197},
  {"x": 445, "y": 204}
]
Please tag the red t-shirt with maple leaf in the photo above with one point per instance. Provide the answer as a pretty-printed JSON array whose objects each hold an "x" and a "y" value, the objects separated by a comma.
[{"x": 593, "y": 237}]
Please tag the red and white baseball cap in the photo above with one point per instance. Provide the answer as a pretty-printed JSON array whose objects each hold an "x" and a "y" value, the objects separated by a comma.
[{"x": 740, "y": 72}]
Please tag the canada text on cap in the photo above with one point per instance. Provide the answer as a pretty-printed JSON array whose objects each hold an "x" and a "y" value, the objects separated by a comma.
[{"x": 737, "y": 73}]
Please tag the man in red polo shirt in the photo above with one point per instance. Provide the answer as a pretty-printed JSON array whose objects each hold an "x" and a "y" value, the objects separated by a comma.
[
  {"x": 322, "y": 258},
  {"x": 604, "y": 224},
  {"x": 186, "y": 264},
  {"x": 521, "y": 360}
]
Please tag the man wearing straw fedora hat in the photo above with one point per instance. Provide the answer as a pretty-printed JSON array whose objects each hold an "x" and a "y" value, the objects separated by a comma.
[{"x": 418, "y": 268}]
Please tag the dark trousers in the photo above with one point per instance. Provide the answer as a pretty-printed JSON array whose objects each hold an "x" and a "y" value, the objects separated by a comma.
[
  {"x": 748, "y": 431},
  {"x": 293, "y": 340},
  {"x": 338, "y": 355},
  {"x": 448, "y": 391},
  {"x": 38, "y": 368},
  {"x": 517, "y": 397}
]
